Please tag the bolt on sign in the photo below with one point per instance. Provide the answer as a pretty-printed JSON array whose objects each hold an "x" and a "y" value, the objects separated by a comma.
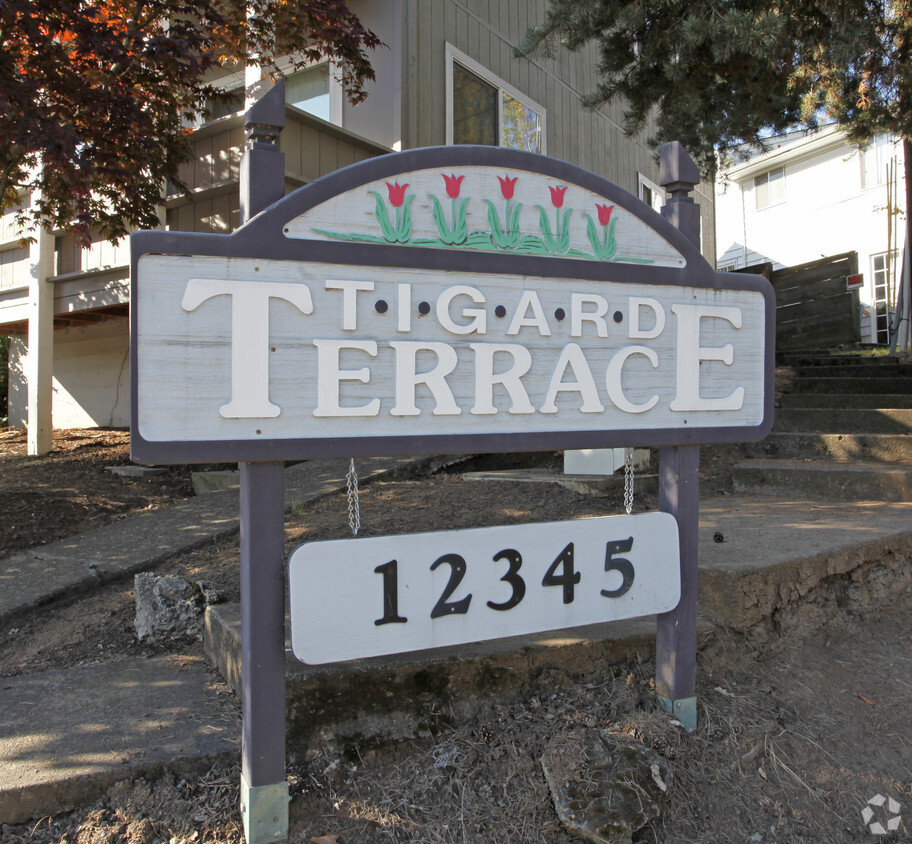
[{"x": 444, "y": 300}]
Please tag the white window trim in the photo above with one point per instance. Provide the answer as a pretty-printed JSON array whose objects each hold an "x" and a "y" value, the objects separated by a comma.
[
  {"x": 767, "y": 173},
  {"x": 236, "y": 79},
  {"x": 884, "y": 142},
  {"x": 336, "y": 94},
  {"x": 644, "y": 182},
  {"x": 455, "y": 55}
]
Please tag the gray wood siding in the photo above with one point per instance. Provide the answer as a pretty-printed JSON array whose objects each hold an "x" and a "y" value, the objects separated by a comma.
[
  {"x": 312, "y": 149},
  {"x": 488, "y": 31}
]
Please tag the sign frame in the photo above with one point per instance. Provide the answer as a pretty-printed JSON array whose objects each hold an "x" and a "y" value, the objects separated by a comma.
[{"x": 264, "y": 238}]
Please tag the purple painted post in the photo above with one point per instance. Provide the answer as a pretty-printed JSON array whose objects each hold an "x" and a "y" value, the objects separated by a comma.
[
  {"x": 679, "y": 481},
  {"x": 264, "y": 789}
]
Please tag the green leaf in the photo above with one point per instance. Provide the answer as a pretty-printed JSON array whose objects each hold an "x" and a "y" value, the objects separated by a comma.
[
  {"x": 611, "y": 246},
  {"x": 405, "y": 229},
  {"x": 443, "y": 229},
  {"x": 494, "y": 222},
  {"x": 592, "y": 234},
  {"x": 389, "y": 231},
  {"x": 513, "y": 231},
  {"x": 545, "y": 227},
  {"x": 459, "y": 232}
]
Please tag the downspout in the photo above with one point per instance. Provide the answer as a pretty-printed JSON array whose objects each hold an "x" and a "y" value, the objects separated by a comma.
[
  {"x": 743, "y": 228},
  {"x": 901, "y": 324}
]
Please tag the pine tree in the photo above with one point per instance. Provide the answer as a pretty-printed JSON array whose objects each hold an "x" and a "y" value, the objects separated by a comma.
[{"x": 718, "y": 74}]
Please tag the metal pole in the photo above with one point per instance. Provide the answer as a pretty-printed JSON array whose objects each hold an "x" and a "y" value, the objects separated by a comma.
[
  {"x": 264, "y": 789},
  {"x": 679, "y": 480}
]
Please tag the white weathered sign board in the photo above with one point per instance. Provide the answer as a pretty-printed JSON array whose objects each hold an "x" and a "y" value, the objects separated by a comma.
[
  {"x": 241, "y": 349},
  {"x": 358, "y": 598}
]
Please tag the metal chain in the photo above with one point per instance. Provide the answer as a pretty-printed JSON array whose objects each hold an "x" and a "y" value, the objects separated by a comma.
[
  {"x": 628, "y": 480},
  {"x": 354, "y": 509}
]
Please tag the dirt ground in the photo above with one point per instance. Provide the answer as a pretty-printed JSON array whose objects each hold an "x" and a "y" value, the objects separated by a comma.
[
  {"x": 792, "y": 742},
  {"x": 71, "y": 489}
]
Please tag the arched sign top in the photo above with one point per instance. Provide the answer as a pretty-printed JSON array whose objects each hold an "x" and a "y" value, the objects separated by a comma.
[{"x": 483, "y": 199}]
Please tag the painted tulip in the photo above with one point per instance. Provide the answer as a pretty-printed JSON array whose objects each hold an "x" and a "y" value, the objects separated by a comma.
[
  {"x": 396, "y": 193},
  {"x": 604, "y": 213},
  {"x": 452, "y": 184},
  {"x": 557, "y": 195},
  {"x": 507, "y": 186}
]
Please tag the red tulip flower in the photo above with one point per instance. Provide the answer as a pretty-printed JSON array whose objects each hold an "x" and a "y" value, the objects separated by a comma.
[
  {"x": 604, "y": 213},
  {"x": 507, "y": 185},
  {"x": 557, "y": 195},
  {"x": 396, "y": 193},
  {"x": 452, "y": 184},
  {"x": 604, "y": 246}
]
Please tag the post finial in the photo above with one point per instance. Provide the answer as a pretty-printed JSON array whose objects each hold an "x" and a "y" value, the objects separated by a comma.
[
  {"x": 265, "y": 119},
  {"x": 679, "y": 175}
]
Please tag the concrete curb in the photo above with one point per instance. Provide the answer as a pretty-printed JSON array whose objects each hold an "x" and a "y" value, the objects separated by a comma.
[{"x": 412, "y": 695}]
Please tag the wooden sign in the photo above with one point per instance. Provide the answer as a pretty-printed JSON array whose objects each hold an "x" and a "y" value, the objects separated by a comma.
[
  {"x": 357, "y": 598},
  {"x": 443, "y": 300}
]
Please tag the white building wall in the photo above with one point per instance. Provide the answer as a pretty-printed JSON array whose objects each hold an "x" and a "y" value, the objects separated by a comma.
[
  {"x": 828, "y": 210},
  {"x": 91, "y": 386},
  {"x": 379, "y": 117}
]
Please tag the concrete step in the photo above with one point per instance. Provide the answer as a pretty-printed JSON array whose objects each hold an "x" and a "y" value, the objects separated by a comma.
[
  {"x": 597, "y": 485},
  {"x": 824, "y": 479},
  {"x": 760, "y": 564},
  {"x": 823, "y": 384},
  {"x": 834, "y": 359},
  {"x": 872, "y": 447},
  {"x": 874, "y": 401},
  {"x": 856, "y": 370},
  {"x": 844, "y": 420}
]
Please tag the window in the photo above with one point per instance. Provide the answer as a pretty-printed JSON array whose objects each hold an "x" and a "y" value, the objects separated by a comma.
[
  {"x": 875, "y": 159},
  {"x": 234, "y": 104},
  {"x": 312, "y": 90},
  {"x": 882, "y": 270},
  {"x": 651, "y": 193},
  {"x": 483, "y": 109},
  {"x": 770, "y": 188}
]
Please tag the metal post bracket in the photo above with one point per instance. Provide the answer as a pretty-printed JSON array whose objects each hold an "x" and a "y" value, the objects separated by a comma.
[
  {"x": 685, "y": 710},
  {"x": 264, "y": 809}
]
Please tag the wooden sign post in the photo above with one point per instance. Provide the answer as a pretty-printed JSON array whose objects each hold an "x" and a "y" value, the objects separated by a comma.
[{"x": 440, "y": 300}]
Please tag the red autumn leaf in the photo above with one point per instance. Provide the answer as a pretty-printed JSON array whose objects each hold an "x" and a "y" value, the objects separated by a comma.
[{"x": 95, "y": 95}]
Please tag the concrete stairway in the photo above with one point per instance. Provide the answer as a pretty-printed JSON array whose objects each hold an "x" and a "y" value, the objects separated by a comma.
[{"x": 843, "y": 430}]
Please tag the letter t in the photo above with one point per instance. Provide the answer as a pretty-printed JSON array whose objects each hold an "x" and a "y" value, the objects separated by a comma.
[{"x": 249, "y": 337}]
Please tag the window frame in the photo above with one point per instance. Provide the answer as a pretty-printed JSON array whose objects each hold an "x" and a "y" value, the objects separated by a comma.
[
  {"x": 643, "y": 184},
  {"x": 336, "y": 96},
  {"x": 456, "y": 55},
  {"x": 235, "y": 81},
  {"x": 881, "y": 148},
  {"x": 766, "y": 175}
]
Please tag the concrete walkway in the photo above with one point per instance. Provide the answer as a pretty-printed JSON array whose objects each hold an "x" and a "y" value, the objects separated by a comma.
[{"x": 66, "y": 735}]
